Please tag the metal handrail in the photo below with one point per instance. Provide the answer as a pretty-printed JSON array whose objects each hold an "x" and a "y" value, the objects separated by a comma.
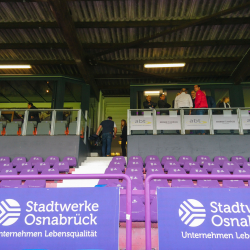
[
  {"x": 177, "y": 176},
  {"x": 89, "y": 176}
]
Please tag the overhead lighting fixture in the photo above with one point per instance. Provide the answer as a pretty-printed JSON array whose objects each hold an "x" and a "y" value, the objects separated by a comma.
[
  {"x": 152, "y": 92},
  {"x": 164, "y": 65},
  {"x": 15, "y": 66}
]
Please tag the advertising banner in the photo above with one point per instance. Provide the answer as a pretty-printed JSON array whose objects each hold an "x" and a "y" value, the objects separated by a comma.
[
  {"x": 165, "y": 122},
  {"x": 199, "y": 122},
  {"x": 59, "y": 218},
  {"x": 141, "y": 123},
  {"x": 203, "y": 218},
  {"x": 245, "y": 122},
  {"x": 225, "y": 122}
]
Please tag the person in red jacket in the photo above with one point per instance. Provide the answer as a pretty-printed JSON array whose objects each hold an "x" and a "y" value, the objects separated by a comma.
[{"x": 200, "y": 103}]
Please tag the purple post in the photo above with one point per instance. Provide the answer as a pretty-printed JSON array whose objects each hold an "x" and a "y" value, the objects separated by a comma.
[
  {"x": 88, "y": 176},
  {"x": 176, "y": 176}
]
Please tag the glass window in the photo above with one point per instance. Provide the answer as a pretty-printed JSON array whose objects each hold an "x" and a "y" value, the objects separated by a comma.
[
  {"x": 219, "y": 94},
  {"x": 246, "y": 94}
]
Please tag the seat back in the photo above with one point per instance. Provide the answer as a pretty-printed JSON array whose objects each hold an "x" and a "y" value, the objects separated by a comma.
[
  {"x": 203, "y": 158},
  {"x": 152, "y": 158},
  {"x": 188, "y": 165},
  {"x": 113, "y": 170},
  {"x": 18, "y": 160},
  {"x": 43, "y": 128},
  {"x": 135, "y": 158},
  {"x": 210, "y": 165},
  {"x": 23, "y": 165},
  {"x": 4, "y": 159},
  {"x": 35, "y": 159},
  {"x": 119, "y": 159},
  {"x": 52, "y": 160},
  {"x": 29, "y": 171},
  {"x": 60, "y": 128},
  {"x": 167, "y": 158},
  {"x": 185, "y": 158},
  {"x": 50, "y": 171},
  {"x": 135, "y": 164},
  {"x": 30, "y": 128},
  {"x": 198, "y": 171},
  {"x": 176, "y": 170},
  {"x": 62, "y": 166},
  {"x": 239, "y": 159},
  {"x": 155, "y": 183},
  {"x": 72, "y": 128},
  {"x": 233, "y": 184},
  {"x": 171, "y": 164},
  {"x": 11, "y": 128},
  {"x": 8, "y": 171},
  {"x": 7, "y": 165},
  {"x": 71, "y": 160},
  {"x": 182, "y": 183},
  {"x": 220, "y": 159},
  {"x": 153, "y": 164},
  {"x": 220, "y": 171},
  {"x": 40, "y": 166},
  {"x": 230, "y": 165}
]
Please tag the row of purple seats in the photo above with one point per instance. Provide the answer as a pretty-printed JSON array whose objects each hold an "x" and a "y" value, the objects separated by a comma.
[{"x": 52, "y": 160}]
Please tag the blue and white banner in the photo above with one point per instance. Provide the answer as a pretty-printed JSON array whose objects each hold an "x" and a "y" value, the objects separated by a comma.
[
  {"x": 203, "y": 218},
  {"x": 59, "y": 218}
]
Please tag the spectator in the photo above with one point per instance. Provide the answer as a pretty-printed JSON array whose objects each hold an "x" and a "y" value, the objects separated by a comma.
[
  {"x": 148, "y": 104},
  {"x": 193, "y": 94},
  {"x": 33, "y": 115},
  {"x": 200, "y": 103},
  {"x": 210, "y": 100},
  {"x": 124, "y": 136},
  {"x": 162, "y": 104},
  {"x": 107, "y": 133},
  {"x": 184, "y": 101},
  {"x": 173, "y": 103}
]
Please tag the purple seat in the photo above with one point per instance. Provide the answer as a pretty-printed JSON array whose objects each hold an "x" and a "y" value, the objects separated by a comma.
[
  {"x": 108, "y": 181},
  {"x": 5, "y": 165},
  {"x": 10, "y": 183},
  {"x": 201, "y": 159},
  {"x": 50, "y": 171},
  {"x": 23, "y": 165},
  {"x": 35, "y": 159},
  {"x": 220, "y": 171},
  {"x": 198, "y": 171},
  {"x": 62, "y": 166},
  {"x": 71, "y": 161},
  {"x": 117, "y": 164},
  {"x": 153, "y": 209},
  {"x": 233, "y": 184},
  {"x": 155, "y": 171},
  {"x": 113, "y": 170},
  {"x": 171, "y": 164},
  {"x": 4, "y": 159},
  {"x": 18, "y": 160},
  {"x": 35, "y": 183},
  {"x": 8, "y": 171},
  {"x": 185, "y": 158},
  {"x": 240, "y": 171},
  {"x": 239, "y": 159},
  {"x": 246, "y": 165},
  {"x": 134, "y": 171},
  {"x": 155, "y": 183},
  {"x": 220, "y": 159},
  {"x": 168, "y": 158},
  {"x": 29, "y": 171},
  {"x": 230, "y": 166},
  {"x": 135, "y": 185},
  {"x": 135, "y": 178},
  {"x": 152, "y": 164},
  {"x": 135, "y": 164},
  {"x": 178, "y": 183},
  {"x": 41, "y": 165},
  {"x": 152, "y": 158},
  {"x": 210, "y": 165},
  {"x": 136, "y": 159},
  {"x": 138, "y": 208},
  {"x": 189, "y": 165},
  {"x": 176, "y": 170},
  {"x": 119, "y": 159},
  {"x": 52, "y": 160},
  {"x": 208, "y": 184}
]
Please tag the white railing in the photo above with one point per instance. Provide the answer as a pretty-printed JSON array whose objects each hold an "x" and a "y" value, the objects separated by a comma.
[{"x": 188, "y": 119}]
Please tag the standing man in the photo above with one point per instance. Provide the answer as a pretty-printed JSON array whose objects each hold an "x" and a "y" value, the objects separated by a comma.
[
  {"x": 193, "y": 94},
  {"x": 162, "y": 104},
  {"x": 148, "y": 104},
  {"x": 184, "y": 101},
  {"x": 33, "y": 115},
  {"x": 210, "y": 100},
  {"x": 107, "y": 133},
  {"x": 200, "y": 103}
]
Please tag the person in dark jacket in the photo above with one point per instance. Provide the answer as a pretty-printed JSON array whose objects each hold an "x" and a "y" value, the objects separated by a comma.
[
  {"x": 193, "y": 94},
  {"x": 33, "y": 115},
  {"x": 124, "y": 136},
  {"x": 162, "y": 104},
  {"x": 148, "y": 104},
  {"x": 210, "y": 100}
]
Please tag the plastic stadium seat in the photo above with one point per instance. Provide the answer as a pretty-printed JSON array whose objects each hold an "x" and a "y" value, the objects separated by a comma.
[
  {"x": 50, "y": 171},
  {"x": 35, "y": 159},
  {"x": 246, "y": 165},
  {"x": 12, "y": 128},
  {"x": 239, "y": 159},
  {"x": 167, "y": 158},
  {"x": 72, "y": 128},
  {"x": 23, "y": 165},
  {"x": 119, "y": 159},
  {"x": 108, "y": 181},
  {"x": 188, "y": 165},
  {"x": 178, "y": 183},
  {"x": 4, "y": 159},
  {"x": 117, "y": 164},
  {"x": 152, "y": 164},
  {"x": 60, "y": 128},
  {"x": 203, "y": 158},
  {"x": 71, "y": 160},
  {"x": 6, "y": 165},
  {"x": 40, "y": 166},
  {"x": 208, "y": 184},
  {"x": 176, "y": 170},
  {"x": 8, "y": 171},
  {"x": 244, "y": 171},
  {"x": 230, "y": 166},
  {"x": 115, "y": 170},
  {"x": 35, "y": 183},
  {"x": 220, "y": 159},
  {"x": 220, "y": 171},
  {"x": 134, "y": 164},
  {"x": 233, "y": 184},
  {"x": 10, "y": 183},
  {"x": 153, "y": 209},
  {"x": 185, "y": 158},
  {"x": 43, "y": 128},
  {"x": 134, "y": 171},
  {"x": 18, "y": 160},
  {"x": 30, "y": 128},
  {"x": 135, "y": 158},
  {"x": 151, "y": 158},
  {"x": 210, "y": 165},
  {"x": 138, "y": 208},
  {"x": 155, "y": 171},
  {"x": 155, "y": 183},
  {"x": 52, "y": 160},
  {"x": 135, "y": 178},
  {"x": 29, "y": 171},
  {"x": 171, "y": 164},
  {"x": 198, "y": 171},
  {"x": 62, "y": 166}
]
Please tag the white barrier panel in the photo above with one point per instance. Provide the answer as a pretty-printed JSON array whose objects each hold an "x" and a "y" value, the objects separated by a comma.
[
  {"x": 141, "y": 123},
  {"x": 245, "y": 122},
  {"x": 168, "y": 122},
  {"x": 225, "y": 122},
  {"x": 200, "y": 122}
]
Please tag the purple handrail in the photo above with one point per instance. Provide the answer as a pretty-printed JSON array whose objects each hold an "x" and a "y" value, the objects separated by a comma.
[
  {"x": 88, "y": 176},
  {"x": 175, "y": 176}
]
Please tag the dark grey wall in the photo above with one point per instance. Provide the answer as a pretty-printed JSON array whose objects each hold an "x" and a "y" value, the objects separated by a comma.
[
  {"x": 193, "y": 145},
  {"x": 43, "y": 146}
]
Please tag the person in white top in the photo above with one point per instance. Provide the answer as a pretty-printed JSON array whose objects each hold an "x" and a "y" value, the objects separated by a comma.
[{"x": 184, "y": 101}]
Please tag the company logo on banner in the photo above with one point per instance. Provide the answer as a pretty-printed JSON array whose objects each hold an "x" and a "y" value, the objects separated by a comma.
[
  {"x": 141, "y": 123},
  {"x": 196, "y": 122},
  {"x": 225, "y": 122},
  {"x": 9, "y": 208},
  {"x": 192, "y": 213},
  {"x": 245, "y": 122},
  {"x": 166, "y": 122},
  {"x": 79, "y": 218},
  {"x": 204, "y": 218}
]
